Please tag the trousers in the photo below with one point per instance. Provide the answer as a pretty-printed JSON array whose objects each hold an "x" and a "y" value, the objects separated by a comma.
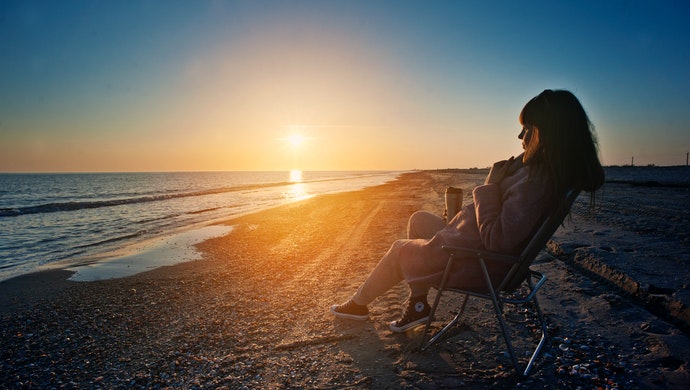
[{"x": 387, "y": 273}]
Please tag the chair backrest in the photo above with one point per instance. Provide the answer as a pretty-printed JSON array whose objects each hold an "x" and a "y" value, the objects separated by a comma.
[{"x": 538, "y": 242}]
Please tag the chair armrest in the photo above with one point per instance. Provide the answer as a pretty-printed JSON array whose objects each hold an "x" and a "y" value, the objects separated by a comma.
[{"x": 478, "y": 253}]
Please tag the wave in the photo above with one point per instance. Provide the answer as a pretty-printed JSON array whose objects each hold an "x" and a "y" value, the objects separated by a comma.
[
  {"x": 82, "y": 205},
  {"x": 111, "y": 240}
]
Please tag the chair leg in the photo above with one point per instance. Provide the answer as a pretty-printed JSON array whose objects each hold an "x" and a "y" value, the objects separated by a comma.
[
  {"x": 542, "y": 340},
  {"x": 504, "y": 331},
  {"x": 498, "y": 308},
  {"x": 445, "y": 329},
  {"x": 429, "y": 320},
  {"x": 499, "y": 314}
]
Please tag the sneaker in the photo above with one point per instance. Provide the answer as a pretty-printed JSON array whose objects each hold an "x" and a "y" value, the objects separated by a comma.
[
  {"x": 351, "y": 311},
  {"x": 416, "y": 313}
]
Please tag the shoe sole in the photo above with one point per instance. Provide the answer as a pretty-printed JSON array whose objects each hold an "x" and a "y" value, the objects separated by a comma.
[
  {"x": 346, "y": 316},
  {"x": 408, "y": 326}
]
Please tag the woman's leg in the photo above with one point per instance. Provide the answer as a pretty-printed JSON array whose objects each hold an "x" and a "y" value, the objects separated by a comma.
[
  {"x": 423, "y": 224},
  {"x": 387, "y": 272},
  {"x": 385, "y": 276}
]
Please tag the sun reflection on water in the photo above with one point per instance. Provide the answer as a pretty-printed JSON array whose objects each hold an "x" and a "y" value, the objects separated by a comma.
[
  {"x": 297, "y": 190},
  {"x": 295, "y": 176}
]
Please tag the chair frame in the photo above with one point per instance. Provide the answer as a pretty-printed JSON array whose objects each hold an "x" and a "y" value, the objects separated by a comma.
[{"x": 519, "y": 274}]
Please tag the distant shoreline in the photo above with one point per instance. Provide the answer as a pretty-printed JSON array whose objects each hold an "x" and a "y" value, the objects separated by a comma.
[{"x": 649, "y": 176}]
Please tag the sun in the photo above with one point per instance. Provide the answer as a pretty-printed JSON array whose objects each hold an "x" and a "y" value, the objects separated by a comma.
[{"x": 295, "y": 140}]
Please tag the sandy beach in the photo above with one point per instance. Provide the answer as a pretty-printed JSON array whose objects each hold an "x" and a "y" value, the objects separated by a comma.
[{"x": 252, "y": 312}]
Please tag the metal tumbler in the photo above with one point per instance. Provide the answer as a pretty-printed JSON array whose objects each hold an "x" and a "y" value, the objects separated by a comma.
[{"x": 453, "y": 201}]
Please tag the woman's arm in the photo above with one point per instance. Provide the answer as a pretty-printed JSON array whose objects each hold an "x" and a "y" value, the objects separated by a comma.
[
  {"x": 508, "y": 213},
  {"x": 504, "y": 168}
]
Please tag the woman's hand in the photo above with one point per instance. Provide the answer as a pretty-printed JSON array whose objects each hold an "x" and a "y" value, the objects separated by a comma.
[{"x": 499, "y": 171}]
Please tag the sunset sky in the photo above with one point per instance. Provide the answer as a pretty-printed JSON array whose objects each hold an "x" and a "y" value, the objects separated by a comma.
[{"x": 330, "y": 85}]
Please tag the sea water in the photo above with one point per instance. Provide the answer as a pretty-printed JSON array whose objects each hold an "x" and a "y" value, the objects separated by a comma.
[{"x": 48, "y": 218}]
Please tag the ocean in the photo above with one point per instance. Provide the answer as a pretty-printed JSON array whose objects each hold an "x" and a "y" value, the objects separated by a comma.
[{"x": 49, "y": 218}]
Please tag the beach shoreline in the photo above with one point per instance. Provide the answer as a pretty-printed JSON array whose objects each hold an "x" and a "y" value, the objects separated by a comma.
[
  {"x": 86, "y": 217},
  {"x": 259, "y": 297}
]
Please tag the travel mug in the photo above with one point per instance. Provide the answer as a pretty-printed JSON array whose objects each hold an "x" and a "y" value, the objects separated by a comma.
[{"x": 453, "y": 202}]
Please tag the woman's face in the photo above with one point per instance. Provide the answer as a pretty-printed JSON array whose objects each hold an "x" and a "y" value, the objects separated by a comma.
[{"x": 526, "y": 135}]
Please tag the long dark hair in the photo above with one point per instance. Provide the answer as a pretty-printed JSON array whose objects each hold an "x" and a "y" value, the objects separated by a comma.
[{"x": 563, "y": 142}]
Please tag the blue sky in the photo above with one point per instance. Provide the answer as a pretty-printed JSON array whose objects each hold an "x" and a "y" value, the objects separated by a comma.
[{"x": 221, "y": 85}]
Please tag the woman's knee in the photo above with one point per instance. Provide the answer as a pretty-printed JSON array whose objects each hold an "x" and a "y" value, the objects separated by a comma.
[{"x": 423, "y": 224}]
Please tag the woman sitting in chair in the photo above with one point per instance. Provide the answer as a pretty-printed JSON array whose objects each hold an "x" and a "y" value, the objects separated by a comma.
[{"x": 560, "y": 153}]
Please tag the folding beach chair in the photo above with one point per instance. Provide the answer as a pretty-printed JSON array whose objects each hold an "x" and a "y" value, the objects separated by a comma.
[{"x": 507, "y": 291}]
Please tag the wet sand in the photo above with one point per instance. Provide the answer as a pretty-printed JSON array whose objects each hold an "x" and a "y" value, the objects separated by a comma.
[{"x": 253, "y": 311}]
